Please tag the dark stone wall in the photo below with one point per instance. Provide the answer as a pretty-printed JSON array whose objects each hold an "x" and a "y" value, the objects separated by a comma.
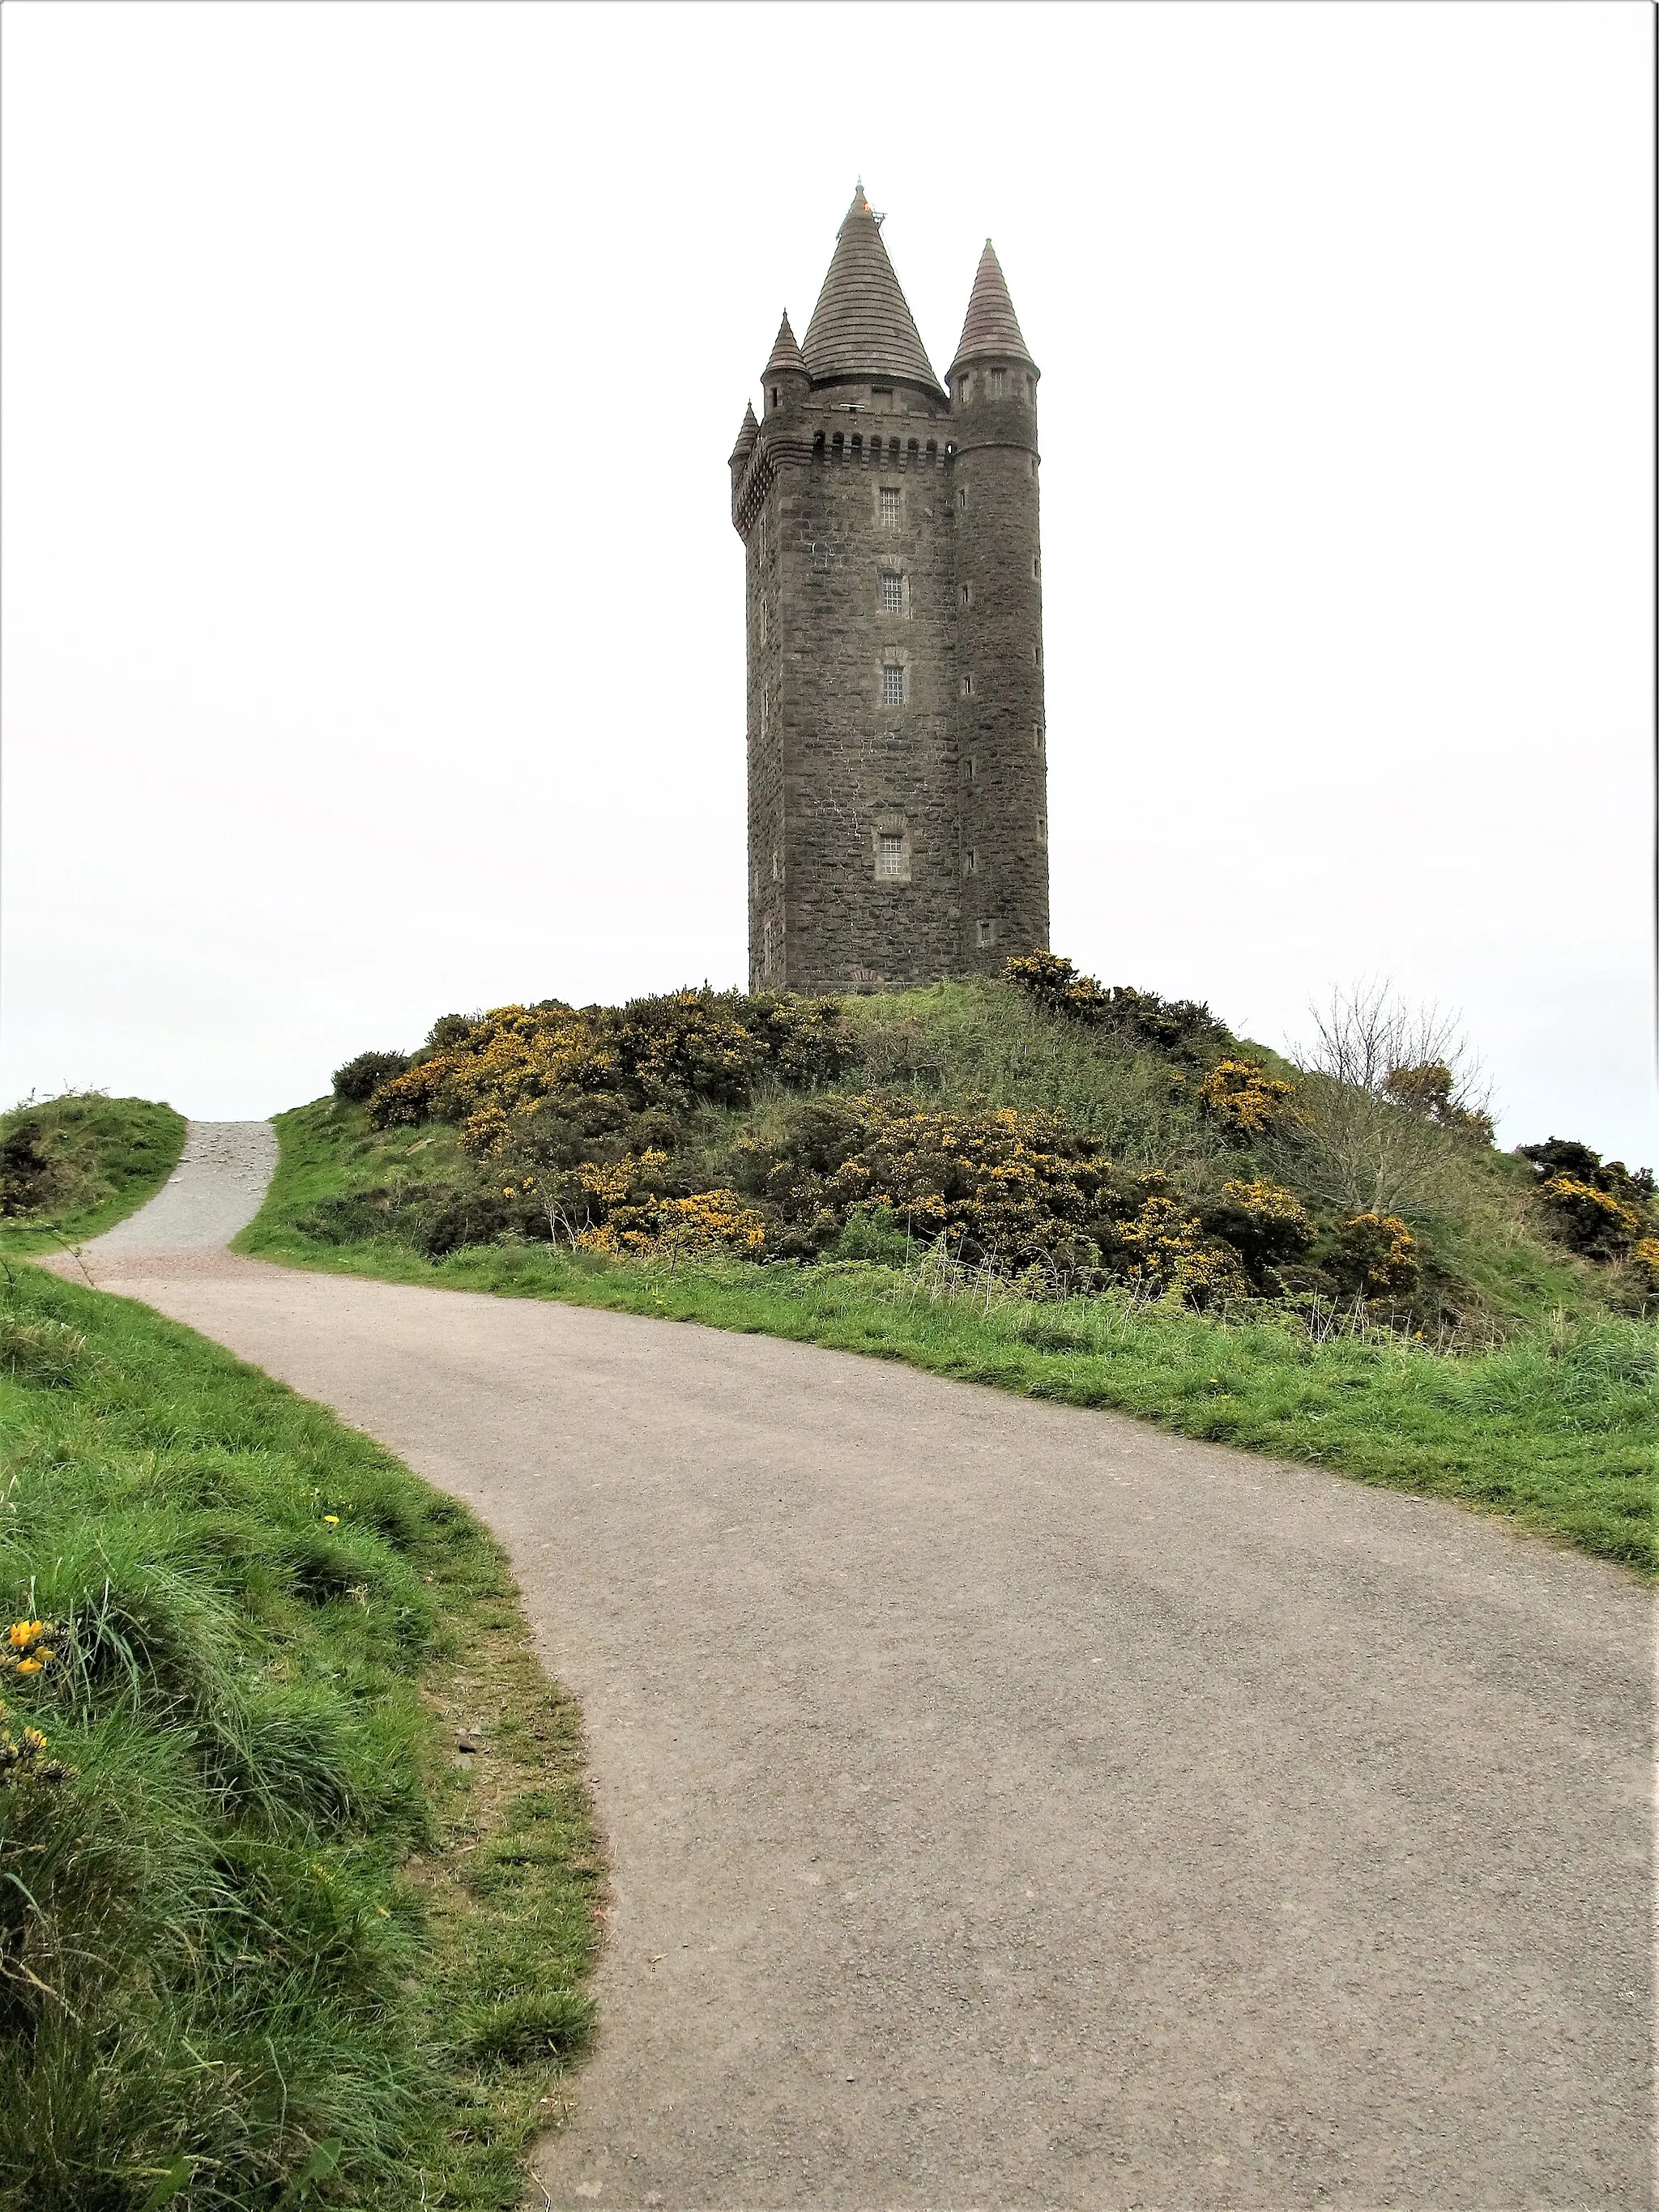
[{"x": 834, "y": 765}]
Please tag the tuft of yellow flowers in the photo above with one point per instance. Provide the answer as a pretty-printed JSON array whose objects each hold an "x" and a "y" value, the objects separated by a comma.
[{"x": 26, "y": 1652}]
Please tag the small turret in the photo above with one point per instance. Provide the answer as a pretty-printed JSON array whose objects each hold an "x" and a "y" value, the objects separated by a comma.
[
  {"x": 784, "y": 379},
  {"x": 1001, "y": 719},
  {"x": 990, "y": 330},
  {"x": 748, "y": 431}
]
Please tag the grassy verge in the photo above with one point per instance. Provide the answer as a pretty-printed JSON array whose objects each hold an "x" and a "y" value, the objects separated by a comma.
[
  {"x": 307, "y": 1918},
  {"x": 81, "y": 1162},
  {"x": 1559, "y": 1428}
]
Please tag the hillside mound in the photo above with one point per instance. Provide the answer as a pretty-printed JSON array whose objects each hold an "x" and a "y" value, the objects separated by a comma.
[{"x": 1044, "y": 1129}]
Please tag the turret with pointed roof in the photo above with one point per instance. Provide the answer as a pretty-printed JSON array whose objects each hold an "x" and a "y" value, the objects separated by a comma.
[
  {"x": 898, "y": 778},
  {"x": 748, "y": 431},
  {"x": 784, "y": 379},
  {"x": 991, "y": 328}
]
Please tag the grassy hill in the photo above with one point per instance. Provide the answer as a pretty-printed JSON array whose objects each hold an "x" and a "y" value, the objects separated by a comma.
[
  {"x": 1080, "y": 1193},
  {"x": 73, "y": 1166}
]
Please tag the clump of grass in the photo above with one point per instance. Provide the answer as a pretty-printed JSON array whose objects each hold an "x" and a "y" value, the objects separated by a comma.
[
  {"x": 73, "y": 1166},
  {"x": 244, "y": 1958}
]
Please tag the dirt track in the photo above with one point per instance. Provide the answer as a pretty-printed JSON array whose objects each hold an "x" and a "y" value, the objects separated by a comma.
[{"x": 1013, "y": 1805}]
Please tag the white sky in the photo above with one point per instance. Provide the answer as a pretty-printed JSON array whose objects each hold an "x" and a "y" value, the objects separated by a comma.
[{"x": 372, "y": 615}]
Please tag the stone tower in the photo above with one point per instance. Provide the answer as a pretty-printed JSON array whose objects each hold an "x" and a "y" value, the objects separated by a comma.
[{"x": 898, "y": 827}]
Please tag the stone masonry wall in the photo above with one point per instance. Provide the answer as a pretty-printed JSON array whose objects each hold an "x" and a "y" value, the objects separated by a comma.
[
  {"x": 952, "y": 771},
  {"x": 1001, "y": 729}
]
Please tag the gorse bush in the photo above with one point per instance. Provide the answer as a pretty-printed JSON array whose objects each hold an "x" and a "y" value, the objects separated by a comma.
[
  {"x": 1178, "y": 1027},
  {"x": 361, "y": 1078},
  {"x": 1595, "y": 1206},
  {"x": 600, "y": 1071}
]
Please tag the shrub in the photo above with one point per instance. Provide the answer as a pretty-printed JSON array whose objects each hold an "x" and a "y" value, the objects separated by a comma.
[
  {"x": 1596, "y": 1207},
  {"x": 361, "y": 1078},
  {"x": 1244, "y": 1097},
  {"x": 449, "y": 1029},
  {"x": 664, "y": 1054},
  {"x": 1592, "y": 1221},
  {"x": 1181, "y": 1028},
  {"x": 1431, "y": 1091},
  {"x": 1374, "y": 1253},
  {"x": 1262, "y": 1221}
]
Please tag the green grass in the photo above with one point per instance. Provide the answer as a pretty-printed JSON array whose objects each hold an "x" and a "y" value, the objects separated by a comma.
[
  {"x": 108, "y": 1156},
  {"x": 1558, "y": 1427},
  {"x": 276, "y": 1939}
]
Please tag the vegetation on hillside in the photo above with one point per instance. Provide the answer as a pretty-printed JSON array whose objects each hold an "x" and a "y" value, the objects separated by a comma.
[
  {"x": 262, "y": 1941},
  {"x": 73, "y": 1166},
  {"x": 1056, "y": 1134},
  {"x": 1104, "y": 1199}
]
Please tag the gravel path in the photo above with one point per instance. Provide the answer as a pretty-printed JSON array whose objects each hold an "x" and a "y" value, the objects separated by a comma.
[
  {"x": 1015, "y": 1806},
  {"x": 215, "y": 1189}
]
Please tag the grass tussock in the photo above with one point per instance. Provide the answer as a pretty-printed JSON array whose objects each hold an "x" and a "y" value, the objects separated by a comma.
[
  {"x": 73, "y": 1166},
  {"x": 269, "y": 1934}
]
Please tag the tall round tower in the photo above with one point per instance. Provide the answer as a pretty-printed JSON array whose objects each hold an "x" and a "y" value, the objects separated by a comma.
[{"x": 1001, "y": 736}]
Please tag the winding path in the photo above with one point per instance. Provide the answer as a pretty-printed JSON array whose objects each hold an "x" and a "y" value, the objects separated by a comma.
[{"x": 1013, "y": 1805}]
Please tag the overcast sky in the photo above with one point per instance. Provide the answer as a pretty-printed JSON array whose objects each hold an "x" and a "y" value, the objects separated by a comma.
[{"x": 372, "y": 615}]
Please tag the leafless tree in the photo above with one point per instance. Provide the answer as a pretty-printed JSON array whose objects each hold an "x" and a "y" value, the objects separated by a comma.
[{"x": 1388, "y": 1095}]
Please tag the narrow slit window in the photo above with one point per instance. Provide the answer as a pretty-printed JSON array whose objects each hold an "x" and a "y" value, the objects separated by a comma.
[
  {"x": 890, "y": 506},
  {"x": 970, "y": 862},
  {"x": 988, "y": 933},
  {"x": 967, "y": 595},
  {"x": 892, "y": 687},
  {"x": 889, "y": 855},
  {"x": 892, "y": 595}
]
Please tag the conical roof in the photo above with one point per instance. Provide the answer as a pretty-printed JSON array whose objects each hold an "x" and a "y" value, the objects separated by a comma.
[
  {"x": 786, "y": 353},
  {"x": 991, "y": 326},
  {"x": 862, "y": 324},
  {"x": 748, "y": 431}
]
